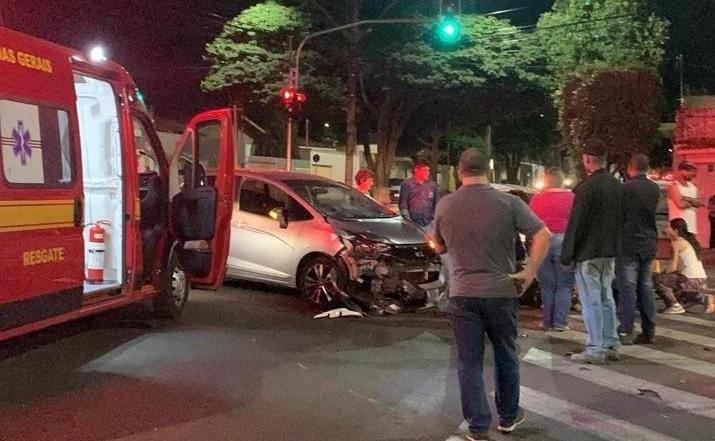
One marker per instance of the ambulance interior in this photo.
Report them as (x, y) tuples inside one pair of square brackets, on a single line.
[(102, 175)]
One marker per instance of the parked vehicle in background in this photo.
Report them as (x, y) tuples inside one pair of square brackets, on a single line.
[(327, 239), (395, 185)]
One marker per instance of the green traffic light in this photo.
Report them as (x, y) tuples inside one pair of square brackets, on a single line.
[(449, 30)]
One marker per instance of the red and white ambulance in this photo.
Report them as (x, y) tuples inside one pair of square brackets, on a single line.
[(94, 213)]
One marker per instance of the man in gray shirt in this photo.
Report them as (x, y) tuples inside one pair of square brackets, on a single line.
[(477, 225)]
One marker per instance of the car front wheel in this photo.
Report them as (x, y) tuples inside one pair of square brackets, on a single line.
[(320, 281)]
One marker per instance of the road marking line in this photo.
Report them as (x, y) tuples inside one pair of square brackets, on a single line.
[(585, 419), (675, 334), (661, 331), (691, 320), (669, 396), (699, 367)]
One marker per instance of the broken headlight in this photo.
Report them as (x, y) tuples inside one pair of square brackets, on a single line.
[(362, 246)]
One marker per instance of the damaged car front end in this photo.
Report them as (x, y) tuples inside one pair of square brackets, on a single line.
[(390, 273), (336, 245)]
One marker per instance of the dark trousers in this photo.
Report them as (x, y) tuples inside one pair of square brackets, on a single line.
[(635, 289), (472, 319)]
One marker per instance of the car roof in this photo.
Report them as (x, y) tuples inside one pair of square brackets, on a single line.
[(512, 187), (281, 175)]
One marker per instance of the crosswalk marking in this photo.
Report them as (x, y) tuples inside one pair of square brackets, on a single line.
[(665, 358), (675, 334), (684, 318), (670, 397), (695, 339), (585, 419)]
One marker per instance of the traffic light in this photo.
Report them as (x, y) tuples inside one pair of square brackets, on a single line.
[(292, 99), (449, 30)]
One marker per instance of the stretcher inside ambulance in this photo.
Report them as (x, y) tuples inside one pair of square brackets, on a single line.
[(94, 212)]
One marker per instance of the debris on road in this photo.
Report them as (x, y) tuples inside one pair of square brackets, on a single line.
[(339, 312)]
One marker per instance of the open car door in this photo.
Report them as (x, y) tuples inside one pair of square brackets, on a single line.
[(203, 203)]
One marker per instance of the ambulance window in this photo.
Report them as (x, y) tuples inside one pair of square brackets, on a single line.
[(146, 156), (36, 145), (209, 145)]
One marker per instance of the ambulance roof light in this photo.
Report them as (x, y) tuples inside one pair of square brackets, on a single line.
[(98, 54)]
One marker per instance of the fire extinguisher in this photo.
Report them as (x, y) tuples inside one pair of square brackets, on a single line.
[(96, 248)]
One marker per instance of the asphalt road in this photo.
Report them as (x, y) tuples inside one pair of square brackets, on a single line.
[(250, 363)]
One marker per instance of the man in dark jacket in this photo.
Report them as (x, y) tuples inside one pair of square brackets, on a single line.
[(638, 240), (592, 243)]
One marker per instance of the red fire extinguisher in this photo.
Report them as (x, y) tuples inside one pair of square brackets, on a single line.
[(96, 248)]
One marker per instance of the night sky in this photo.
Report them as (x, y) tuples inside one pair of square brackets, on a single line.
[(161, 42)]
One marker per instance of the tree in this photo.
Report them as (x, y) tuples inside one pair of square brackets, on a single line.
[(582, 34), (598, 51), (619, 106), (403, 71), (252, 53)]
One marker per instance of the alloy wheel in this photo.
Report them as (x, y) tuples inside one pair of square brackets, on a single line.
[(319, 282)]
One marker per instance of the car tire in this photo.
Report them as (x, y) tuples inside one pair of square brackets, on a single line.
[(319, 278), (174, 290)]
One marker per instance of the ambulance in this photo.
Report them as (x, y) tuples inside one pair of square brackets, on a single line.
[(94, 213)]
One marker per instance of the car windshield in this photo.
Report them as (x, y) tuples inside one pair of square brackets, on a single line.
[(338, 201)]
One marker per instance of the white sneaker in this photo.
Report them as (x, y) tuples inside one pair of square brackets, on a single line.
[(676, 308)]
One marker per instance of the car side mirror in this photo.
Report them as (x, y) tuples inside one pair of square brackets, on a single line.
[(281, 216)]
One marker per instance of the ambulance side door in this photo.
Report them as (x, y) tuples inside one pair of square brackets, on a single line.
[(41, 213), (201, 210)]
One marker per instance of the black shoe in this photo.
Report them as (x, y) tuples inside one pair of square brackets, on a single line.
[(643, 339), (626, 338), (508, 427)]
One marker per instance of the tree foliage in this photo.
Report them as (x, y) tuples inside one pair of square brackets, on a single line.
[(581, 34), (404, 73), (603, 56), (252, 51), (619, 106)]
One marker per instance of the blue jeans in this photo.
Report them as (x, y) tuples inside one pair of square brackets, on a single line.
[(634, 280), (555, 282), (594, 278), (472, 319)]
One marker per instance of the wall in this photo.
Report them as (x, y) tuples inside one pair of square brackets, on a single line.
[(704, 159)]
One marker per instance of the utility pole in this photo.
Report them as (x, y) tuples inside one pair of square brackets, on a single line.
[(488, 145), (307, 132), (679, 64)]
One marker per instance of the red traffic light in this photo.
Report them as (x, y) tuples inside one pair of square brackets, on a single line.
[(288, 95), (292, 99)]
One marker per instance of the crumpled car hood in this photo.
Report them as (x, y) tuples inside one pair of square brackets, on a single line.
[(396, 231)]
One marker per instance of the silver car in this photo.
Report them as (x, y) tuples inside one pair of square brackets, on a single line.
[(330, 241)]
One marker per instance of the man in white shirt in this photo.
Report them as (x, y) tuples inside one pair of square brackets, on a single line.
[(683, 198)]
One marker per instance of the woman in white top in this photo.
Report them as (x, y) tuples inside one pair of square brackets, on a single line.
[(685, 273)]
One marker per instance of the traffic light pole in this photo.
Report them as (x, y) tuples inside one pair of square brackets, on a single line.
[(289, 143), (308, 37)]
